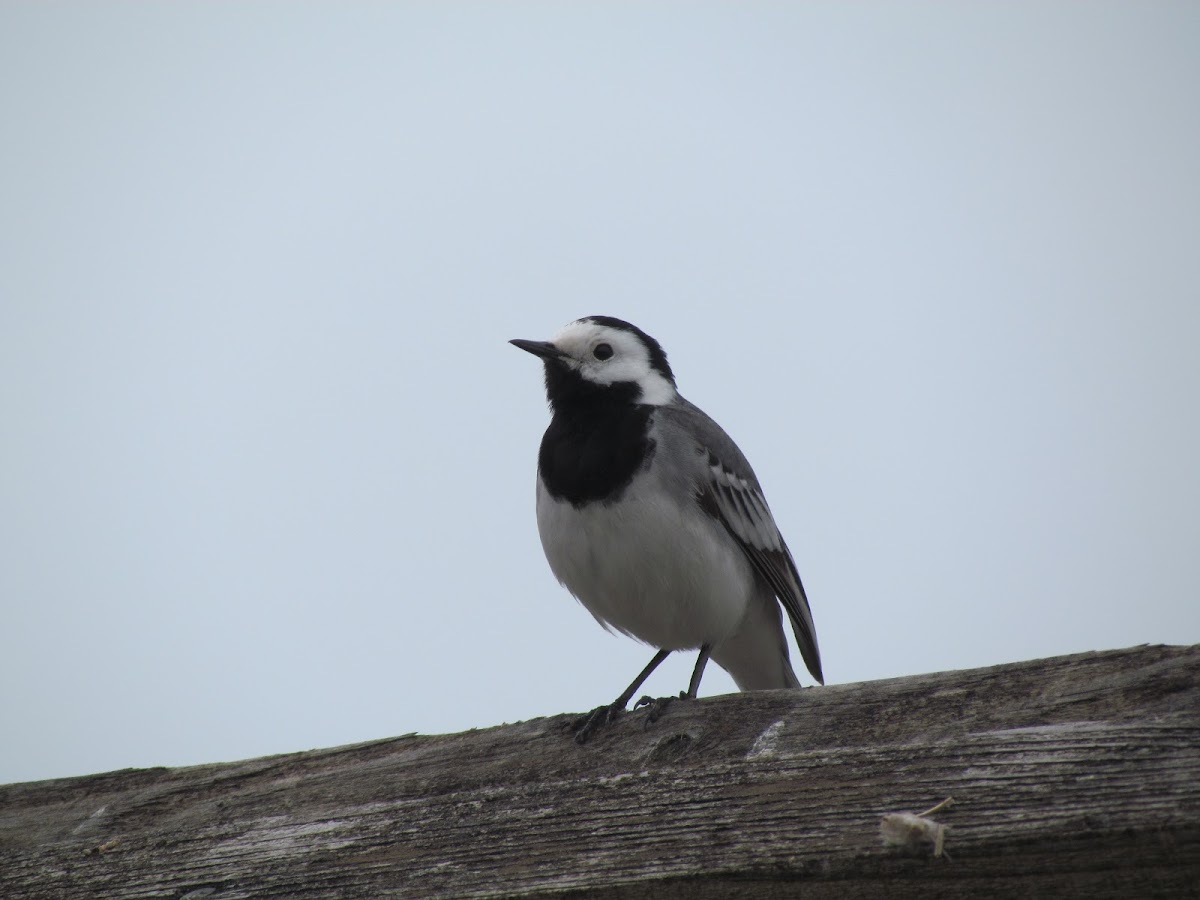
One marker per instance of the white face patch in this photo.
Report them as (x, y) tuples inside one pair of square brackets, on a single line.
[(629, 362)]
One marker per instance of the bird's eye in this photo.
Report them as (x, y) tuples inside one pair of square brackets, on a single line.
[(602, 351)]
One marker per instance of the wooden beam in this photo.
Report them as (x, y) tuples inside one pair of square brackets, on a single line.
[(1072, 776)]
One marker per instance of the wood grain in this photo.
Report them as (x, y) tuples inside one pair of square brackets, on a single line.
[(1073, 776)]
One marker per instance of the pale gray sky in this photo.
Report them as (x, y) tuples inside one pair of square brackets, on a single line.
[(267, 460)]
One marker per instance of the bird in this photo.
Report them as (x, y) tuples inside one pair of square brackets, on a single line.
[(651, 516)]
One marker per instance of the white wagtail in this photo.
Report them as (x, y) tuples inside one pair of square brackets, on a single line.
[(652, 517)]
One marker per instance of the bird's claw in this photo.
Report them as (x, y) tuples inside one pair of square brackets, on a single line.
[(656, 706), (589, 723)]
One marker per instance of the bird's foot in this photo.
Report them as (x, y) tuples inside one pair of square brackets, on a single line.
[(600, 717), (656, 706)]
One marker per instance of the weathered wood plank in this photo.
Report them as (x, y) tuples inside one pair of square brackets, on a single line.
[(1078, 775)]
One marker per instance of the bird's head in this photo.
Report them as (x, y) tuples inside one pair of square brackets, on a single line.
[(599, 356)]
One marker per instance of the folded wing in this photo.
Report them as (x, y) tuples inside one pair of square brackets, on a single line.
[(737, 502)]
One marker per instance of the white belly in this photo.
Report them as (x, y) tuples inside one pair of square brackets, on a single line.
[(641, 567)]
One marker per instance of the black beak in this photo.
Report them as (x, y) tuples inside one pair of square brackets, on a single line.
[(544, 349)]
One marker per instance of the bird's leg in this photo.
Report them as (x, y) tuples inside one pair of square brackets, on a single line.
[(697, 673), (585, 726), (658, 706)]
